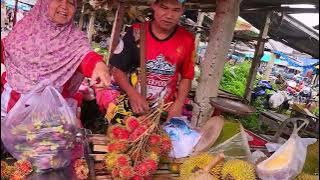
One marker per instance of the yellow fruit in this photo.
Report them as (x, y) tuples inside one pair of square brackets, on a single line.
[(174, 168), (134, 79), (199, 162), (200, 175), (110, 111), (304, 176), (282, 159), (311, 165), (110, 161), (238, 170)]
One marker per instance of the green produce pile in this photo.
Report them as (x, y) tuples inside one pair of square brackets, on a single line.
[(235, 78), (102, 51), (316, 111)]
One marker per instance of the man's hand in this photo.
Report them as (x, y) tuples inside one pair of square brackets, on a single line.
[(138, 104), (175, 110), (100, 76)]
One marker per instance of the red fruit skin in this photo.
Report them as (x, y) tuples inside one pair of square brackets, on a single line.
[(142, 170), (152, 165), (136, 177), (154, 139), (166, 146), (126, 172), (132, 123), (123, 161), (115, 172)]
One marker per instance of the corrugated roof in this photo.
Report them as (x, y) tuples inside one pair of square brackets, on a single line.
[(284, 28), (289, 31)]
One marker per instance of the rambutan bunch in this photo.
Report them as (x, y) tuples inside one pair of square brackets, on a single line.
[(136, 147), (154, 140), (165, 145), (4, 169), (117, 132), (110, 161), (146, 168), (24, 167), (122, 161), (137, 133), (20, 170), (81, 169), (126, 172), (132, 123), (117, 147)]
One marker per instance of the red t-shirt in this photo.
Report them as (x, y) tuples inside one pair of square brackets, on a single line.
[(165, 59)]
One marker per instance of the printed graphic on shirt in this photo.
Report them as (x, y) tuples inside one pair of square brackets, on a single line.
[(159, 74)]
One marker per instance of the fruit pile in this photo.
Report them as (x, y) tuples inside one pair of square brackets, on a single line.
[(81, 169), (135, 148), (20, 170), (231, 169)]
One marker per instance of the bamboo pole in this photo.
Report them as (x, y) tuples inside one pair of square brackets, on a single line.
[(15, 12), (199, 23), (116, 30), (269, 67), (81, 16), (257, 57), (91, 25)]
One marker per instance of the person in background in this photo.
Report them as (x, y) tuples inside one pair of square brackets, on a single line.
[(170, 52), (44, 45), (4, 17)]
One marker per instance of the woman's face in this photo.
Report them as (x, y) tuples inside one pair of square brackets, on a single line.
[(61, 11)]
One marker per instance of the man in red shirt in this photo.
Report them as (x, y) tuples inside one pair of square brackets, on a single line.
[(169, 59)]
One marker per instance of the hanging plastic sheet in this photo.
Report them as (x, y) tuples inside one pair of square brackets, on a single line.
[(236, 147)]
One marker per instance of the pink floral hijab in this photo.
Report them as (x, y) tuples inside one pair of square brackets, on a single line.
[(38, 49)]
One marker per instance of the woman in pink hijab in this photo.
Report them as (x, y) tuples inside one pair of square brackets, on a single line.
[(44, 45)]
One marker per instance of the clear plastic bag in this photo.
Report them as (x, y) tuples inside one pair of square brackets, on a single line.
[(41, 128), (236, 147), (288, 161)]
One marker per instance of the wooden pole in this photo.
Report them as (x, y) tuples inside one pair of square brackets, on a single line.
[(266, 75), (257, 57), (221, 35), (91, 25), (198, 35), (81, 16), (15, 12), (116, 29)]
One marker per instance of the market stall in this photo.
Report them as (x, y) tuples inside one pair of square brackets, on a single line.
[(141, 147)]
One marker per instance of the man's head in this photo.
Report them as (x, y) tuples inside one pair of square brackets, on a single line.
[(167, 13)]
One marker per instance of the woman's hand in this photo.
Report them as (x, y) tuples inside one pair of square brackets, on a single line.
[(100, 76)]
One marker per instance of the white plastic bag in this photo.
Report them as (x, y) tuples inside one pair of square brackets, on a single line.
[(288, 161), (41, 128), (182, 136)]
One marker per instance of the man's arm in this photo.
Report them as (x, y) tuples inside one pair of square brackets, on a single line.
[(122, 64), (187, 75), (122, 80), (177, 106), (183, 91), (138, 103)]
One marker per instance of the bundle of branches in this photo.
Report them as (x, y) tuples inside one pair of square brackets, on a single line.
[(134, 149)]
